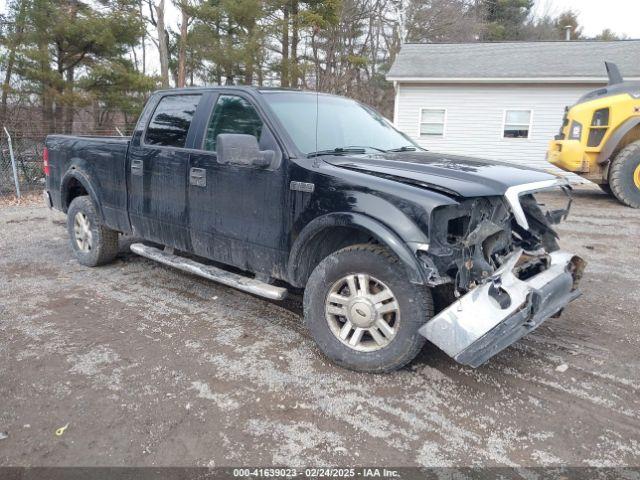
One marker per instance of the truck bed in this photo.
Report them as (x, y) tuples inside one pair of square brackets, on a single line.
[(102, 159)]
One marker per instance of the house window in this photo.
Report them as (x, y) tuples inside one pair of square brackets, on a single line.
[(517, 124), (432, 122)]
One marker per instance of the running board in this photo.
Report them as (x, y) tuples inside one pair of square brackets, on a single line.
[(230, 279)]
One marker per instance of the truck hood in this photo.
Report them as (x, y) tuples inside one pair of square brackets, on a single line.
[(457, 175)]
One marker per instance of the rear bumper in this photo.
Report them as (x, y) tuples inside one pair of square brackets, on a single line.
[(496, 314)]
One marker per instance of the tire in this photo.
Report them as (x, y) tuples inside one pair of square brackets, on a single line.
[(331, 279), (100, 243), (624, 175)]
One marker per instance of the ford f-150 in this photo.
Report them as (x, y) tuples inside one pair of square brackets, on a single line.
[(272, 191)]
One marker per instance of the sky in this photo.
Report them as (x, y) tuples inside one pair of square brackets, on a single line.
[(621, 16)]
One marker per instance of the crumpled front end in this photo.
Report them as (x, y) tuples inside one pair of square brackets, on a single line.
[(494, 315), (500, 258)]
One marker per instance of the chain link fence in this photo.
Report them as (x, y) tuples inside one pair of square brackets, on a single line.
[(27, 156), (27, 144)]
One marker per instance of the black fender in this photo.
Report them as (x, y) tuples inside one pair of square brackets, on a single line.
[(78, 173), (373, 227), (616, 137)]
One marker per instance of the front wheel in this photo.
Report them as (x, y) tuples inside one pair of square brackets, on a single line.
[(363, 312), (624, 175)]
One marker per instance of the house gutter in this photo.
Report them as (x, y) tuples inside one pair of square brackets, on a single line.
[(534, 80)]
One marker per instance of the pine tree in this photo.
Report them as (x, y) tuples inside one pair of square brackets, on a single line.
[(54, 54), (505, 19)]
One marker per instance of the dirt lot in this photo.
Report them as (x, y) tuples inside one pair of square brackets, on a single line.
[(150, 366)]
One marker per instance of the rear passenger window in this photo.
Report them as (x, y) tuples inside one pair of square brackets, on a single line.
[(232, 114), (171, 120)]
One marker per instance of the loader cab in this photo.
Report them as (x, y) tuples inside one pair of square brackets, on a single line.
[(600, 138)]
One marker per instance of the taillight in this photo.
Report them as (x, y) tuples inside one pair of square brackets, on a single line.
[(45, 161)]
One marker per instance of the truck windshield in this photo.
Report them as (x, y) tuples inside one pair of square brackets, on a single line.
[(344, 125)]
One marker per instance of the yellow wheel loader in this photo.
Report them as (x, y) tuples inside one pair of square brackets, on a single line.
[(600, 138)]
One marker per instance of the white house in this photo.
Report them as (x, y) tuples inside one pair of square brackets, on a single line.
[(499, 100)]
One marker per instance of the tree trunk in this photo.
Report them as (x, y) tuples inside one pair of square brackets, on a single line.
[(47, 112), (69, 104), (191, 74), (249, 57), (96, 117), (182, 51), (6, 85), (46, 92), (57, 98), (143, 41), (284, 66), (163, 49), (295, 38), (135, 58), (248, 74), (66, 88)]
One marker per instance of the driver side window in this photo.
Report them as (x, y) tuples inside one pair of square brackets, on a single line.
[(232, 114)]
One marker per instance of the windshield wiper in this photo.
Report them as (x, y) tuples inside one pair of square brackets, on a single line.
[(402, 149), (337, 151)]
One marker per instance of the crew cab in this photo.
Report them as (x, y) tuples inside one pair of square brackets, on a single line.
[(277, 191)]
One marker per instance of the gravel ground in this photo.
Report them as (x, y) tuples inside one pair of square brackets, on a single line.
[(150, 366)]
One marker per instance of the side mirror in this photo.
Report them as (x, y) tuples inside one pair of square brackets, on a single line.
[(241, 149)]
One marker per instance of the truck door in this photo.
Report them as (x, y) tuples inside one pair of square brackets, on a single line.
[(236, 212), (159, 164)]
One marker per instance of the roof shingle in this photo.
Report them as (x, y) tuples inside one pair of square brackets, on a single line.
[(508, 60)]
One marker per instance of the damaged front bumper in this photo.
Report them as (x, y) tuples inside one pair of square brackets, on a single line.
[(496, 314)]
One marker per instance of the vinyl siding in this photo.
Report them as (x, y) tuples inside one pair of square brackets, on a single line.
[(475, 115)]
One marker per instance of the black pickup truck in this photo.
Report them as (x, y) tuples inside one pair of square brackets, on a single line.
[(272, 191)]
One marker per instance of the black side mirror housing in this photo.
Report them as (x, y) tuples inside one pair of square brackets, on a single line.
[(241, 149)]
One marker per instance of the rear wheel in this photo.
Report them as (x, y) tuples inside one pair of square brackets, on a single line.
[(363, 312), (92, 243), (624, 175)]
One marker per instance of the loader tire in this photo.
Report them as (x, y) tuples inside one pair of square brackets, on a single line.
[(624, 175)]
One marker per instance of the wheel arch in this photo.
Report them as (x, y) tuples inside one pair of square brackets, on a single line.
[(75, 183), (620, 138), (334, 231)]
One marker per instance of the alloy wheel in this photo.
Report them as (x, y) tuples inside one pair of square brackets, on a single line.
[(82, 232), (362, 312)]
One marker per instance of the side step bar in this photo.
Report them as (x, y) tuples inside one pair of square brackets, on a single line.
[(230, 279)]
